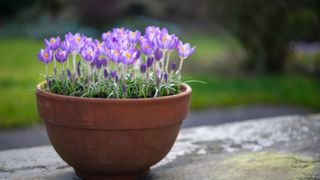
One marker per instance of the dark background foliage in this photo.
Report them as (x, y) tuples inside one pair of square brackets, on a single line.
[(265, 28), (249, 51)]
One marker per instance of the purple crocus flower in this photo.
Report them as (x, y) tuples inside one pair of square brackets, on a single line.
[(129, 56), (146, 46), (45, 55), (52, 43), (106, 36), (100, 62), (143, 68), (167, 41), (64, 46), (101, 47), (150, 61), (61, 55), (114, 55), (158, 54), (119, 32), (184, 50), (88, 40), (88, 52), (152, 32), (123, 43), (173, 42), (74, 42), (112, 43), (134, 36)]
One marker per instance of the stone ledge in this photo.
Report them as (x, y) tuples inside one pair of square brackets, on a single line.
[(284, 147)]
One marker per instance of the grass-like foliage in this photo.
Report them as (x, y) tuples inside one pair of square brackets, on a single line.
[(99, 86)]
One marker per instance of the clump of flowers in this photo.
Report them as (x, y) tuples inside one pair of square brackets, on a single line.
[(124, 64)]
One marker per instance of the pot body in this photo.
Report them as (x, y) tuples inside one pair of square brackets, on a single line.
[(112, 137)]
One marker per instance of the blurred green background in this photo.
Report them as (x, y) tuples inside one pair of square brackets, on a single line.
[(248, 52)]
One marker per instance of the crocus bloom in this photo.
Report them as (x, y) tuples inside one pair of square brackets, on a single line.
[(88, 52), (64, 45), (166, 41), (134, 36), (101, 47), (114, 55), (61, 55), (129, 56), (152, 32), (106, 36), (184, 50), (112, 43), (74, 42), (146, 46), (119, 32), (100, 62), (52, 43), (123, 43), (158, 54), (45, 55)]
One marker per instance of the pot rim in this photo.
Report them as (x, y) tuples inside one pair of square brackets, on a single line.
[(186, 90)]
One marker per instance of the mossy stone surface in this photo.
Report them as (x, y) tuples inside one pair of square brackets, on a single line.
[(265, 165)]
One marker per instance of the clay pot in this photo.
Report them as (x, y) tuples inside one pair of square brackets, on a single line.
[(112, 137)]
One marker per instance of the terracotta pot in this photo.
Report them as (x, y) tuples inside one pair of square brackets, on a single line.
[(112, 137)]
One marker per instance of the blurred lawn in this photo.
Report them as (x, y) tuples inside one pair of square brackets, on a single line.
[(245, 89), (19, 73)]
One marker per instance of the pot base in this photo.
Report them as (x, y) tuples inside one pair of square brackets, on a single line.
[(91, 176)]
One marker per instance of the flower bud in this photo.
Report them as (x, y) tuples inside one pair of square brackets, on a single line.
[(105, 73), (143, 68), (173, 66), (158, 54), (150, 61)]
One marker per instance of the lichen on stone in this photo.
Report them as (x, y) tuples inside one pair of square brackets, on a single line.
[(264, 165)]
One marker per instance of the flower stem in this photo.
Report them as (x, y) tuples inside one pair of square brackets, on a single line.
[(55, 67), (88, 74), (180, 67), (47, 82), (63, 77), (68, 63), (46, 70), (74, 58), (167, 62)]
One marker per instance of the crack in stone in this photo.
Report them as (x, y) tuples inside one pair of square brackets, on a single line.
[(25, 168), (31, 168)]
